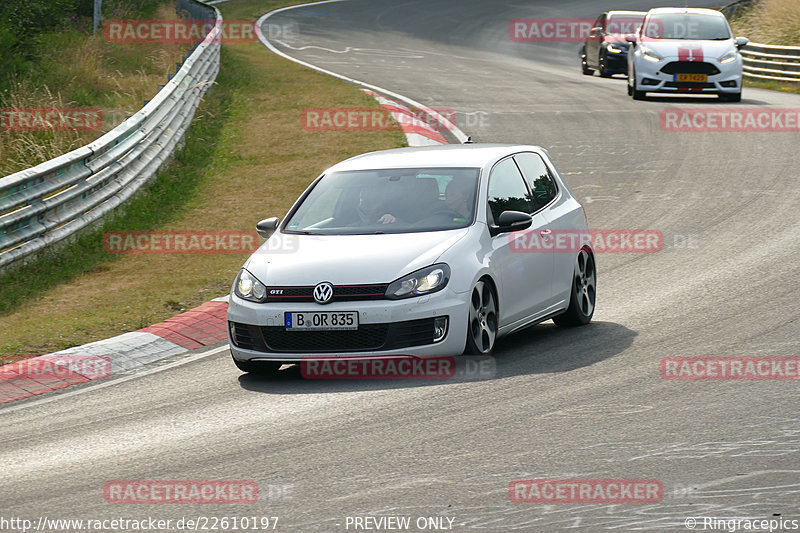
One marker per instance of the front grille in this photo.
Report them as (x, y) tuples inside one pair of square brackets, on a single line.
[(690, 67), (367, 337), (689, 85), (341, 293)]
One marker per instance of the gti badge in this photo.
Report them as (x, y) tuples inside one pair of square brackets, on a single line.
[(323, 292)]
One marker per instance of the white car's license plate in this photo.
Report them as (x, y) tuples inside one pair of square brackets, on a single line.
[(321, 320), (691, 77)]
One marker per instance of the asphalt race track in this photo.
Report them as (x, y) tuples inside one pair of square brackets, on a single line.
[(587, 403)]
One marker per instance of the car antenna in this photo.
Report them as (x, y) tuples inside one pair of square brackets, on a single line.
[(468, 141)]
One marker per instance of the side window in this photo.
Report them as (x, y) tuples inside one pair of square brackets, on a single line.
[(507, 190), (538, 178)]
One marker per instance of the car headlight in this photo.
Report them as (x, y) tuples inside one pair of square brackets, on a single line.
[(651, 55), (613, 49), (424, 281), (729, 56), (247, 287)]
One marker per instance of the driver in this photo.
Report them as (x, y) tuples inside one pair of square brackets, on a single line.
[(456, 198), (370, 208)]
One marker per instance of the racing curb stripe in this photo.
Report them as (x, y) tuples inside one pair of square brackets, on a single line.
[(197, 327), (201, 326), (418, 132), (17, 383)]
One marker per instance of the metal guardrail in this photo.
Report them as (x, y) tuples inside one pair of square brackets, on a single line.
[(52, 201), (771, 62)]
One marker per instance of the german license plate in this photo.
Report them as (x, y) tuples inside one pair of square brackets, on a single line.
[(691, 77), (321, 321)]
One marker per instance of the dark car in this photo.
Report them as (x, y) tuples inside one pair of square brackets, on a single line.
[(605, 49)]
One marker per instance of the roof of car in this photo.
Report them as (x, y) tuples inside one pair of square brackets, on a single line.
[(625, 12), (688, 10), (449, 155)]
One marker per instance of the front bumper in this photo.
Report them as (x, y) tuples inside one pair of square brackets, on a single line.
[(649, 77), (386, 327)]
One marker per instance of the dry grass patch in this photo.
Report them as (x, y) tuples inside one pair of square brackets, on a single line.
[(770, 22)]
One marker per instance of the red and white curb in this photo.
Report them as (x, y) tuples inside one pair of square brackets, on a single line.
[(198, 327), (418, 132)]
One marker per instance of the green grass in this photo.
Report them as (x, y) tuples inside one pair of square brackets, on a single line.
[(65, 68)]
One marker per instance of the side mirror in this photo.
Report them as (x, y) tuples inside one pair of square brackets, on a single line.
[(597, 30), (267, 227), (511, 221), (631, 38), (741, 42)]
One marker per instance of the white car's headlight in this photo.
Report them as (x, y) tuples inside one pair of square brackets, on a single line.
[(247, 287), (613, 49), (424, 281), (651, 55), (728, 56)]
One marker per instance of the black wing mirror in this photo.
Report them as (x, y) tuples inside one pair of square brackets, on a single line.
[(511, 221), (267, 227)]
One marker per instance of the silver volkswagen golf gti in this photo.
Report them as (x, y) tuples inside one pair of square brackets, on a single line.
[(417, 252)]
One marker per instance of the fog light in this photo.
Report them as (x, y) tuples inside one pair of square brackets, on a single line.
[(439, 328), (233, 333), (729, 83), (650, 81)]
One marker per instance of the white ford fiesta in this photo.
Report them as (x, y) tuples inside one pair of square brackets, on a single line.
[(413, 251), (685, 50)]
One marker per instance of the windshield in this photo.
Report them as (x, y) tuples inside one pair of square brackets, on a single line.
[(624, 23), (696, 26), (404, 200)]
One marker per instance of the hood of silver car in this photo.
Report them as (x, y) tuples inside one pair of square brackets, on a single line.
[(303, 260)]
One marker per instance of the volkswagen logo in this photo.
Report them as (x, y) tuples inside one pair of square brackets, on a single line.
[(323, 292)]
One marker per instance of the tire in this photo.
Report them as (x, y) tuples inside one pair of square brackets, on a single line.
[(637, 95), (482, 322), (731, 97), (583, 293), (264, 368), (584, 65)]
